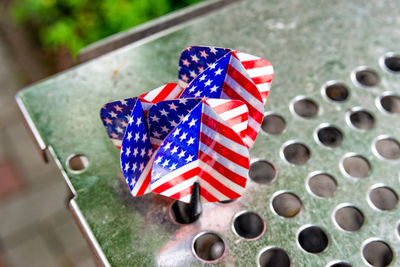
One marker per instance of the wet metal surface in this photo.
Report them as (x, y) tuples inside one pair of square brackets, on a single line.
[(309, 44)]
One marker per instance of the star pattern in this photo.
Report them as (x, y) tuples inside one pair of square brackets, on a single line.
[(180, 147), (209, 83), (135, 152), (196, 59), (116, 117), (161, 125)]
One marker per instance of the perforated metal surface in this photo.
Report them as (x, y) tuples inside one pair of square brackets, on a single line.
[(309, 45)]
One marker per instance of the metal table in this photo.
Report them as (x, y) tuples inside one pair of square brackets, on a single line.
[(309, 43)]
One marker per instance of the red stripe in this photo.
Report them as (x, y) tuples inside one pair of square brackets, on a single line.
[(263, 79), (229, 105), (253, 112), (238, 119), (164, 93), (243, 133), (257, 63), (265, 94), (183, 193), (218, 185), (145, 184), (251, 133), (176, 180), (208, 196), (224, 151), (221, 169), (220, 128), (245, 83)]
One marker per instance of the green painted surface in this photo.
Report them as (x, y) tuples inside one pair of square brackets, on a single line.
[(308, 43)]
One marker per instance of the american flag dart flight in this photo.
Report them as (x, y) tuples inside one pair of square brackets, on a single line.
[(190, 141)]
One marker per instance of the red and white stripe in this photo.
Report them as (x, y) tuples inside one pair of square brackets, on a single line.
[(142, 186), (238, 85), (221, 168), (260, 71), (168, 91), (233, 112)]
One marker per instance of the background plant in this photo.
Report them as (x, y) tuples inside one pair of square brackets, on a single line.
[(73, 24)]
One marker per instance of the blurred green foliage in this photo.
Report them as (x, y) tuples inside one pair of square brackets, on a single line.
[(73, 24)]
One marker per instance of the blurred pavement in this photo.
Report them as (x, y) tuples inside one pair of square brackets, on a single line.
[(36, 226)]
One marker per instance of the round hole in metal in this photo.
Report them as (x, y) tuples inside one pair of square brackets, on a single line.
[(248, 225), (377, 253), (305, 108), (274, 257), (262, 171), (336, 91), (392, 62), (322, 185), (273, 124), (180, 213), (361, 119), (390, 103), (340, 264), (388, 148), (349, 218), (296, 153), (287, 204), (366, 77), (330, 136), (313, 239), (383, 198), (77, 162), (356, 166), (208, 247)]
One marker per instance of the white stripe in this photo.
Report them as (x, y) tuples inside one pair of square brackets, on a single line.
[(182, 83), (174, 174), (153, 93), (239, 170), (213, 191), (181, 186), (225, 181), (267, 70), (238, 128), (219, 138), (232, 113), (142, 177), (214, 102), (249, 141), (244, 93), (186, 199), (254, 124), (263, 87), (246, 57), (174, 93)]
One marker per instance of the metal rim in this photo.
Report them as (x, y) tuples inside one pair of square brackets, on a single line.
[(356, 82), (348, 120), (369, 240), (321, 126), (379, 105), (206, 261), (243, 212), (340, 206), (382, 62), (305, 227), (375, 151), (325, 96)]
